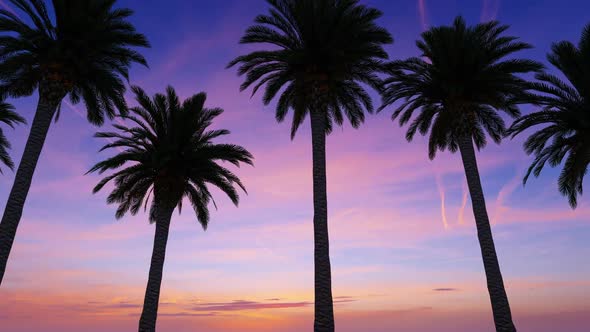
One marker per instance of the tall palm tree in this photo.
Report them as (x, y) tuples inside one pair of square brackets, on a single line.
[(322, 51), (458, 87), (167, 150), (565, 114), (85, 54), (11, 118)]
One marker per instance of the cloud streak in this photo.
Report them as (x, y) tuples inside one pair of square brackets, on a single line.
[(506, 190), (443, 210), (465, 192), (445, 289), (243, 305), (422, 14)]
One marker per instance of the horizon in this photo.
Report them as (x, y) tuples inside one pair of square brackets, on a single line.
[(404, 250)]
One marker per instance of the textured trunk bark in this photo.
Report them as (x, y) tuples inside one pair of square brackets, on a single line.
[(147, 322), (498, 298), (46, 109), (324, 311)]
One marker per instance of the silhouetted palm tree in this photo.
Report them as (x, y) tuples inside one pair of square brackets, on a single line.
[(458, 88), (168, 150), (566, 114), (84, 54), (322, 51), (9, 117)]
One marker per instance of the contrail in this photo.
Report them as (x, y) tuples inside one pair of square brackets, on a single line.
[(422, 12), (441, 191), (506, 191), (463, 204), (74, 108), (81, 114)]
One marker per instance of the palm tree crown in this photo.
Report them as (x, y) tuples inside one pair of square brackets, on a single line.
[(566, 114), (459, 85), (169, 150), (11, 118), (85, 53), (321, 53)]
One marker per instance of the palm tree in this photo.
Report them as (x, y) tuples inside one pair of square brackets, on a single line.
[(85, 54), (322, 51), (9, 117), (566, 115), (168, 150), (458, 87)]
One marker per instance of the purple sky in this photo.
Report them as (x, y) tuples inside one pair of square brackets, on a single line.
[(405, 255)]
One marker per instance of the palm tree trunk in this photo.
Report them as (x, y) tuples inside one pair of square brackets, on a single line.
[(324, 311), (46, 108), (147, 322), (499, 300)]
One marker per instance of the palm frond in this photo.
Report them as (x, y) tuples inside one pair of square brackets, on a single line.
[(565, 117), (87, 49), (458, 87), (9, 117), (323, 55)]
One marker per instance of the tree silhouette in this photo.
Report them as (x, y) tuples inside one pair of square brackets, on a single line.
[(323, 51), (168, 150), (566, 115), (458, 89), (11, 118), (85, 53)]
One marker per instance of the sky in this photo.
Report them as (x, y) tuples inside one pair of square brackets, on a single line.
[(404, 249)]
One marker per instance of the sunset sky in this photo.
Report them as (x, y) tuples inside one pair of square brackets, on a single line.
[(404, 249)]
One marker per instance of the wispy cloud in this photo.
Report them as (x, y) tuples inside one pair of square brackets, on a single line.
[(122, 305), (503, 194), (445, 289), (241, 305), (422, 13), (344, 299), (188, 314), (441, 191), (465, 192)]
